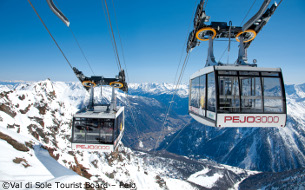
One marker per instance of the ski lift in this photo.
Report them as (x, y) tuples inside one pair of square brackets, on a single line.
[(99, 127), (235, 95)]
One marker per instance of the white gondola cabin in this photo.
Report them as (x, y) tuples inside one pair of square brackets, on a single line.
[(98, 130), (99, 127), (238, 96)]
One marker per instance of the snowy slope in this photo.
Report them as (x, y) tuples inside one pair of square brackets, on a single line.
[(35, 126), (293, 179)]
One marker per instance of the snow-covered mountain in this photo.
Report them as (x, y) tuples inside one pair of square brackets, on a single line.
[(35, 132), (144, 125), (159, 89), (262, 149)]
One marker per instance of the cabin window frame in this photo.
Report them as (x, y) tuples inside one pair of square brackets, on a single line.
[(205, 87), (214, 92), (261, 75), (85, 140)]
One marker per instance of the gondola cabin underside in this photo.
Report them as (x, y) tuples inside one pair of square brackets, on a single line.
[(238, 96)]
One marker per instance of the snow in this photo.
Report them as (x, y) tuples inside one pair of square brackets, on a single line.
[(141, 144), (201, 178), (160, 88), (178, 184), (39, 165), (5, 88), (12, 171), (50, 163), (19, 138), (42, 167), (251, 156), (67, 182)]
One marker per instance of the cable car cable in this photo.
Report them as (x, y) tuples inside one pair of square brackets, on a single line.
[(229, 45), (247, 13), (178, 134), (182, 50), (109, 30), (178, 81), (50, 34), (171, 102), (79, 46), (173, 97), (110, 24), (223, 53), (114, 45), (133, 118), (228, 48), (121, 44), (279, 3), (82, 51), (217, 40), (206, 4), (120, 39), (123, 55)]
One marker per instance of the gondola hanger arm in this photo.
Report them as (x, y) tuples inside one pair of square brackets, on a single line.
[(93, 81), (58, 13)]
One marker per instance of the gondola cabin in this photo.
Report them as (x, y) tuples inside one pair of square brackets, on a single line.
[(98, 130), (238, 96)]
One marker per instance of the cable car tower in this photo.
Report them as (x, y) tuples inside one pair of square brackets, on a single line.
[(240, 94)]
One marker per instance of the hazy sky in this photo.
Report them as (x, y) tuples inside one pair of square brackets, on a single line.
[(153, 34)]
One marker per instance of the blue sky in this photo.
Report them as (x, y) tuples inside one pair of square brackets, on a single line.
[(153, 35)]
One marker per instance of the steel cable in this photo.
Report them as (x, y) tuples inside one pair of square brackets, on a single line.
[(50, 34), (79, 46), (177, 135), (177, 84), (113, 37)]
